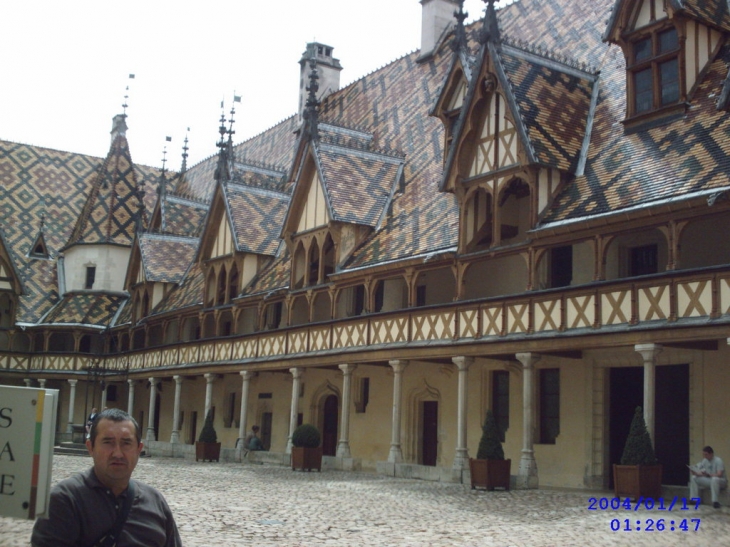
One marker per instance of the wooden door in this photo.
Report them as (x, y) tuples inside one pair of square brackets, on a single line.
[(429, 433), (329, 426)]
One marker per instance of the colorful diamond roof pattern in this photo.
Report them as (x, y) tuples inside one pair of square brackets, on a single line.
[(257, 216), (166, 258), (87, 308)]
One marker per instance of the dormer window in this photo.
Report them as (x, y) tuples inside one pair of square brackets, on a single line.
[(654, 71)]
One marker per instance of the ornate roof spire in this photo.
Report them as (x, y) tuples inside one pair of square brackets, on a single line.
[(311, 112), (490, 30), (221, 171), (184, 166), (162, 189), (460, 41)]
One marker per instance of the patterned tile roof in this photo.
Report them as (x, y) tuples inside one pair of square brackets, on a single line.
[(358, 183), (257, 216), (85, 308), (554, 101), (714, 12), (275, 276), (182, 216), (674, 160), (166, 258), (110, 212)]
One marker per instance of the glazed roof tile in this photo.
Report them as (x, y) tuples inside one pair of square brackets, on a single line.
[(189, 293), (166, 258), (85, 308), (257, 215), (183, 217), (358, 183)]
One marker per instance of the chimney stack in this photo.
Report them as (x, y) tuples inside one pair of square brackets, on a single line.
[(119, 126), (437, 16), (328, 69)]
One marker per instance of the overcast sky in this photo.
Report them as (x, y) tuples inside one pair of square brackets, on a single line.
[(66, 63)]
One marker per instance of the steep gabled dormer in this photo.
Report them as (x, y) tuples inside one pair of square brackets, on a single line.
[(237, 240), (157, 265), (521, 132), (668, 45), (343, 187)]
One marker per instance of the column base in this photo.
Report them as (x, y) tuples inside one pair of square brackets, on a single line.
[(343, 450), (175, 437), (461, 459), (395, 455), (150, 434), (527, 477)]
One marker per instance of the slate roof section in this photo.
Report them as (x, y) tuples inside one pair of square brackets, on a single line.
[(257, 215), (183, 217), (274, 277), (188, 294), (85, 308), (712, 12), (358, 183), (166, 258)]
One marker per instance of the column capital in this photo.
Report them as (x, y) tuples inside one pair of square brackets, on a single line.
[(528, 359), (178, 379), (151, 380), (72, 383), (246, 374), (648, 351), (398, 364), (296, 372), (463, 362), (347, 369), (131, 382), (210, 378)]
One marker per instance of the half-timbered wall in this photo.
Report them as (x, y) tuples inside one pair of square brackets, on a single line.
[(314, 212), (496, 146)]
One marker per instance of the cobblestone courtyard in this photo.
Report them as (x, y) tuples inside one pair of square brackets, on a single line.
[(232, 504)]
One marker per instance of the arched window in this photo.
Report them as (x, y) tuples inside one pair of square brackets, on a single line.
[(328, 253), (6, 311), (222, 286), (313, 261), (233, 283)]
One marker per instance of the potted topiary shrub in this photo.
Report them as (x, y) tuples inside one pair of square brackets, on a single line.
[(639, 474), (306, 452), (207, 447), (489, 469)]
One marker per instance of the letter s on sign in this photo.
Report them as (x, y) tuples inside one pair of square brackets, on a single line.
[(5, 419)]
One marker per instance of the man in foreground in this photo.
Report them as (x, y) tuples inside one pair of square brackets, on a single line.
[(709, 473), (88, 509)]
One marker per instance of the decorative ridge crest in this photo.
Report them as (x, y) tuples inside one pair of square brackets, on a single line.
[(538, 50)]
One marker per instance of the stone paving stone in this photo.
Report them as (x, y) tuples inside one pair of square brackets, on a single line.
[(223, 505)]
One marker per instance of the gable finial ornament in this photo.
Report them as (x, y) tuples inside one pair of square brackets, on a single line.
[(221, 171), (460, 41), (311, 112), (490, 29)]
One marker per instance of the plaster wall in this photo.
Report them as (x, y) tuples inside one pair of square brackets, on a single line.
[(111, 266)]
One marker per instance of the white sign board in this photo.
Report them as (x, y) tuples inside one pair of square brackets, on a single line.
[(27, 425)]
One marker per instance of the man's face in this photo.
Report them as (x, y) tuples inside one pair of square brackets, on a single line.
[(708, 456), (115, 453)]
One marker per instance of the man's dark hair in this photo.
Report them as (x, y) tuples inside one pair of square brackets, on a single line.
[(708, 449), (115, 415)]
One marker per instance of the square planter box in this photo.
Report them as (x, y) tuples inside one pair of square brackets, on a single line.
[(635, 481), (306, 458), (207, 451), (490, 474)]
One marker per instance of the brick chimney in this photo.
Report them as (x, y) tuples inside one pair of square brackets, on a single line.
[(328, 70), (436, 17)]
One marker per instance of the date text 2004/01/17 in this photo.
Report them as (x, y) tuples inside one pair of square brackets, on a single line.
[(655, 525)]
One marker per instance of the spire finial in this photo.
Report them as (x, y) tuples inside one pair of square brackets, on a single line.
[(221, 171), (184, 166), (490, 30), (126, 97), (311, 113), (460, 41)]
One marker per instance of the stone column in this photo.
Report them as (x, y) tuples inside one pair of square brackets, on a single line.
[(209, 379), (396, 454), (130, 398), (295, 387), (527, 477), (175, 437), (151, 416), (245, 385), (103, 397), (71, 405), (461, 458), (343, 445), (649, 353)]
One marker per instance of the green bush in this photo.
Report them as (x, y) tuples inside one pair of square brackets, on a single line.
[(490, 447), (306, 435), (638, 449), (208, 434)]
